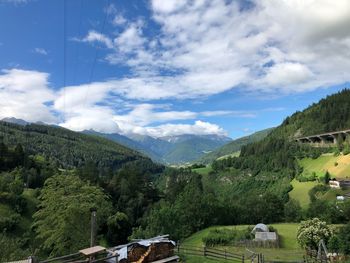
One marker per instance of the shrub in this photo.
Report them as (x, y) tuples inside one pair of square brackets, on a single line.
[(310, 233), (9, 223), (226, 237)]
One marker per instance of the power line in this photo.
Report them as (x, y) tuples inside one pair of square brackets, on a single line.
[(96, 55), (91, 75)]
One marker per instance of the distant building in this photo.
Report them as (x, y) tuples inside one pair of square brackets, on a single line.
[(340, 198), (334, 184), (339, 183), (262, 233)]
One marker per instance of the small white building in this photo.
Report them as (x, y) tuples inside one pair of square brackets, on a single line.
[(334, 184), (262, 233), (265, 236), (340, 198)]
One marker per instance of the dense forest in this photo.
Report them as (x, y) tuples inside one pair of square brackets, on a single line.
[(67, 148)]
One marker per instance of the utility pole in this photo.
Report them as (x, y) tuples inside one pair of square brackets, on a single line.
[(93, 227)]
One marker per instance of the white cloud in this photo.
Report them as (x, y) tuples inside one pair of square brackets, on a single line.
[(16, 2), (23, 95), (119, 20), (94, 36), (203, 47), (97, 118), (284, 75), (40, 51), (199, 128), (209, 47)]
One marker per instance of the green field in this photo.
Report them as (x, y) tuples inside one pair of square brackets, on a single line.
[(235, 154), (203, 171), (300, 192), (289, 251), (337, 166)]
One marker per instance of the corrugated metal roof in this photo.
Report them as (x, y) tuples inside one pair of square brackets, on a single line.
[(21, 261)]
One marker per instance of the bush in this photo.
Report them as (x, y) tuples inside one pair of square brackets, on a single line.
[(225, 237), (9, 223), (310, 233)]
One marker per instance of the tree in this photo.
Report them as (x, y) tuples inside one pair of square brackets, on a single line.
[(310, 233), (63, 220), (292, 211), (326, 177), (344, 237), (119, 228), (11, 249)]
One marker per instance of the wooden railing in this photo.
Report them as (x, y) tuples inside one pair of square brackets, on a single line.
[(209, 252)]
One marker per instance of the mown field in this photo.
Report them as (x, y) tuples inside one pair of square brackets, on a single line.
[(337, 166), (300, 192), (289, 250), (203, 171)]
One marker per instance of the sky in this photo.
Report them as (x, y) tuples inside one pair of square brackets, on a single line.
[(170, 67)]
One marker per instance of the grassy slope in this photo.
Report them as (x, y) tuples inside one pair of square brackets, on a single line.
[(203, 171), (300, 192), (289, 250), (235, 154), (234, 146), (327, 162)]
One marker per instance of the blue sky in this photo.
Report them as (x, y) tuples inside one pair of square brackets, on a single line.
[(170, 67)]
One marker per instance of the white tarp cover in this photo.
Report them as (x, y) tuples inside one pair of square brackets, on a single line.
[(260, 228)]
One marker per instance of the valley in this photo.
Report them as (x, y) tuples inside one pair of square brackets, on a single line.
[(272, 179)]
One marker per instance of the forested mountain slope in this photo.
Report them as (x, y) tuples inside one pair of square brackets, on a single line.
[(68, 148), (234, 146), (329, 114), (279, 151)]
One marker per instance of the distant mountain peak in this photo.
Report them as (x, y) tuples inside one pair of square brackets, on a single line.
[(15, 121)]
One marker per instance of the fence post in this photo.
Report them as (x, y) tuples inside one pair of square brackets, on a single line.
[(225, 254), (242, 258), (178, 247), (205, 251)]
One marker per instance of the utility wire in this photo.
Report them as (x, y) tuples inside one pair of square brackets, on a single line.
[(96, 55), (91, 75)]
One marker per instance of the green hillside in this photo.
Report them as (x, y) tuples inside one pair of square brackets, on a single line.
[(234, 146), (300, 192), (51, 177), (68, 148), (337, 166)]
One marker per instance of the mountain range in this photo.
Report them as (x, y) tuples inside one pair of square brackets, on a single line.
[(173, 150)]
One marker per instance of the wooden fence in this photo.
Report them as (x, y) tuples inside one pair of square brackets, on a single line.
[(258, 243), (211, 253)]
